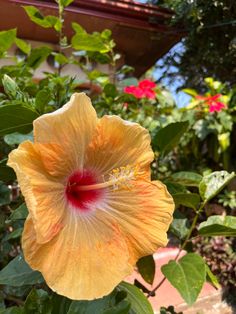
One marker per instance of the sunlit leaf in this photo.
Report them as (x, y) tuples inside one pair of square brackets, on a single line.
[(186, 178), (65, 3), (10, 86), (190, 91), (187, 275), (89, 42), (7, 39), (211, 278), (213, 183), (23, 45), (218, 226), (44, 21)]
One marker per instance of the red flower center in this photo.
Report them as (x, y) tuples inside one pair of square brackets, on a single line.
[(80, 199)]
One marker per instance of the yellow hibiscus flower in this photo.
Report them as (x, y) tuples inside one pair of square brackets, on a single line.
[(93, 211)]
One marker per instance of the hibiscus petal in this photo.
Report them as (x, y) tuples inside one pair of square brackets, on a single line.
[(71, 126), (144, 214), (118, 143), (86, 260), (44, 194)]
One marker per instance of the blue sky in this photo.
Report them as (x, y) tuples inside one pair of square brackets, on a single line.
[(180, 97)]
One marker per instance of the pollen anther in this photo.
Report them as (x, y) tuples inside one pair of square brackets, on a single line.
[(119, 178), (122, 177)]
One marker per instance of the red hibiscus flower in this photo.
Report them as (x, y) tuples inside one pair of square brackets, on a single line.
[(143, 90), (212, 102)]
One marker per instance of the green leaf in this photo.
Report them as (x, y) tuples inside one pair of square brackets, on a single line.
[(130, 81), (38, 302), (2, 304), (60, 58), (186, 178), (211, 278), (180, 225), (218, 226), (78, 28), (13, 235), (90, 307), (37, 56), (121, 308), (12, 310), (202, 129), (175, 188), (19, 213), (115, 302), (110, 90), (16, 118), (36, 16), (89, 42), (139, 303), (7, 39), (187, 276), (106, 33), (213, 183), (23, 45), (42, 99), (17, 273), (44, 21), (190, 92), (10, 86), (168, 137), (165, 99), (4, 194), (6, 173), (190, 200), (60, 304), (95, 74), (17, 138), (146, 267), (65, 3)]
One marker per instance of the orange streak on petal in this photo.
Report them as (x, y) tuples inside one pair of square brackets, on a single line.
[(118, 143), (44, 195), (144, 214), (71, 126), (86, 260)]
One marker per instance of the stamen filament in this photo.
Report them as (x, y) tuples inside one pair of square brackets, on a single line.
[(96, 186), (119, 178)]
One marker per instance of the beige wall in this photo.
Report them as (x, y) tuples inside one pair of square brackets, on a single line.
[(69, 69)]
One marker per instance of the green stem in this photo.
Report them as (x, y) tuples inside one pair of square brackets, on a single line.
[(60, 16)]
